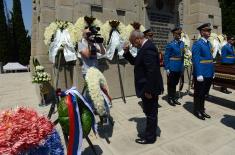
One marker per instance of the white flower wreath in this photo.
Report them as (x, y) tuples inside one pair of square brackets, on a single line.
[(128, 29), (106, 29), (95, 80), (50, 31), (80, 24)]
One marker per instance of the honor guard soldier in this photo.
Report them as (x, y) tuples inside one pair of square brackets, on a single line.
[(228, 57), (174, 63), (203, 70), (148, 34)]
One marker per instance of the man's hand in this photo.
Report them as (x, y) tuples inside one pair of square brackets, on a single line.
[(168, 72), (126, 47), (148, 95), (200, 78)]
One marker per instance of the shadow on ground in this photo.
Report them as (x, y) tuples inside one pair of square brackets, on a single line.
[(229, 121), (106, 130), (188, 106), (141, 124), (221, 101), (89, 151)]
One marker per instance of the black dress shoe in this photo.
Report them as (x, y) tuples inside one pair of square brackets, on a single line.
[(205, 114), (199, 115), (144, 141), (171, 102), (225, 90), (176, 102)]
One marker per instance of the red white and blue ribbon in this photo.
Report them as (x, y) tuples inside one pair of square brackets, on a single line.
[(75, 126)]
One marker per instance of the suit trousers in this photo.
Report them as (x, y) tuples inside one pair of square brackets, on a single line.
[(200, 90), (150, 108), (172, 81)]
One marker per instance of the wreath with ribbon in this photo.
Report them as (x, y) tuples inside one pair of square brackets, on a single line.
[(61, 35), (98, 91)]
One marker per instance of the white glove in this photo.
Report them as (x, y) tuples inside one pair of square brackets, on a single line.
[(167, 71), (213, 76), (200, 78)]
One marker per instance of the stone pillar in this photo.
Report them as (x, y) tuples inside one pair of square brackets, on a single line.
[(202, 11)]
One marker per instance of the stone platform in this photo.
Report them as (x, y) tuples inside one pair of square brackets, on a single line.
[(180, 133)]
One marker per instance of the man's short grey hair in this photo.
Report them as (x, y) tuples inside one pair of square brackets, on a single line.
[(136, 34)]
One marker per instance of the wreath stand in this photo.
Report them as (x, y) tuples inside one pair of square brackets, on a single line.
[(85, 88), (56, 102), (120, 77)]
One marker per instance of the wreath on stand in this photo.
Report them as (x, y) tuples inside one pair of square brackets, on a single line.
[(113, 31)]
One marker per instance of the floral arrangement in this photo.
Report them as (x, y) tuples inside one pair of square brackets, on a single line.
[(40, 75), (187, 52), (130, 27), (82, 22), (23, 131), (108, 26), (50, 31), (96, 81)]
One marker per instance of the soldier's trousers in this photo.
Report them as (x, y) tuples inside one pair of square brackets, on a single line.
[(172, 81), (200, 90)]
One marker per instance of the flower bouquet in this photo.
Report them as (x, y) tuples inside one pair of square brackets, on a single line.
[(24, 132)]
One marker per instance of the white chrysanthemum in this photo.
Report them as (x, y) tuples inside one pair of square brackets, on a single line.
[(49, 32), (79, 26), (97, 23), (39, 68), (95, 80), (121, 28), (185, 39), (72, 33), (105, 30), (129, 28)]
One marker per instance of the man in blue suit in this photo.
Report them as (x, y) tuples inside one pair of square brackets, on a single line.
[(148, 81), (227, 53), (203, 70), (174, 64), (228, 57)]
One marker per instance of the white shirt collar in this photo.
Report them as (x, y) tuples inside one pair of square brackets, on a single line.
[(144, 42), (204, 39)]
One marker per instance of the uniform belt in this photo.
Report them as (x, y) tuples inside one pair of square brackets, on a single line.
[(230, 57), (206, 61), (176, 58)]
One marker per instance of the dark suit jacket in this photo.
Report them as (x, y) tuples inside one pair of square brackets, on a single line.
[(148, 77)]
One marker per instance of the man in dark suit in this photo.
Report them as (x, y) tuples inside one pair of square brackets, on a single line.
[(148, 81)]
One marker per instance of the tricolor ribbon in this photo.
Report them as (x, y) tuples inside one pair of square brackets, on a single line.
[(75, 126)]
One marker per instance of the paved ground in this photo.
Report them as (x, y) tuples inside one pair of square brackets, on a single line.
[(180, 133)]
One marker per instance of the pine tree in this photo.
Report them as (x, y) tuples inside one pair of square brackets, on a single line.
[(3, 34), (228, 16), (20, 34)]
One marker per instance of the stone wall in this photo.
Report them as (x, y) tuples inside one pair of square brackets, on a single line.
[(195, 12)]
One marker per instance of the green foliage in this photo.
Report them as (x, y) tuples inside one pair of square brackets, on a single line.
[(22, 40), (228, 16), (3, 34)]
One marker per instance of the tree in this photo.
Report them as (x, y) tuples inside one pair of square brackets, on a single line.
[(3, 34), (228, 16), (20, 35)]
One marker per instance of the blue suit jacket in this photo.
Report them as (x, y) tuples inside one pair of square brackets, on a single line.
[(202, 59), (174, 56), (148, 77), (227, 54)]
